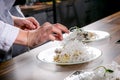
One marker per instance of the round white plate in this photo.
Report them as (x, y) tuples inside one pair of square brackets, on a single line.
[(100, 35), (47, 56)]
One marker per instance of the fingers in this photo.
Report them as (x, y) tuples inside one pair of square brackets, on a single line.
[(34, 21), (61, 27), (28, 24), (54, 37), (47, 32), (51, 37), (56, 32)]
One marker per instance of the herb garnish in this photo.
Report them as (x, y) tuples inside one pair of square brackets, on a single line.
[(106, 70)]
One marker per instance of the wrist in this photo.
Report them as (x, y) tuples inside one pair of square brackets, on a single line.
[(22, 38)]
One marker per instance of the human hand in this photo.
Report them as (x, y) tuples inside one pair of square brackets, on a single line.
[(46, 32), (40, 35), (58, 29), (28, 23)]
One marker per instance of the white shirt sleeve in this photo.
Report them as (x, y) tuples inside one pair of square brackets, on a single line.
[(8, 35), (16, 11)]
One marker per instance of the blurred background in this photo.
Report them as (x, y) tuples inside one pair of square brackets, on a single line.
[(70, 12)]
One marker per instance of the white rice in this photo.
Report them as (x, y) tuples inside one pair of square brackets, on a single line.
[(75, 48)]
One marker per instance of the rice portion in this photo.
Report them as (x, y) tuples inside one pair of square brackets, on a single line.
[(73, 49)]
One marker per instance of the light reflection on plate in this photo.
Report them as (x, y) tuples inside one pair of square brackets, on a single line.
[(47, 56), (75, 75), (100, 35), (98, 73)]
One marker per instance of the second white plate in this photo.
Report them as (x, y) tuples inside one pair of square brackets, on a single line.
[(100, 35)]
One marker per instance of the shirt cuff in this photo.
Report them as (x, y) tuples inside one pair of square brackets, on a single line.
[(8, 36)]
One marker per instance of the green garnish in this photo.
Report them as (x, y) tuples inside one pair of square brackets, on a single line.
[(109, 70), (75, 27), (106, 70)]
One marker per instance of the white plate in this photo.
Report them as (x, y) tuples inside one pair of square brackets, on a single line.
[(100, 35), (47, 56), (98, 73), (75, 75)]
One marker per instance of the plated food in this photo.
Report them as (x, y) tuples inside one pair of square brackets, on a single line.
[(104, 72), (81, 34), (48, 55), (73, 50), (86, 35)]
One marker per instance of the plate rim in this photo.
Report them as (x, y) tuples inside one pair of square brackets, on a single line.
[(57, 63)]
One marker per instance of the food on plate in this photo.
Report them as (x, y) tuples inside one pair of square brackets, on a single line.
[(73, 49), (81, 34), (107, 72)]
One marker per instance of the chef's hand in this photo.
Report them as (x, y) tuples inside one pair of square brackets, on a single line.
[(46, 32), (28, 23), (42, 34)]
